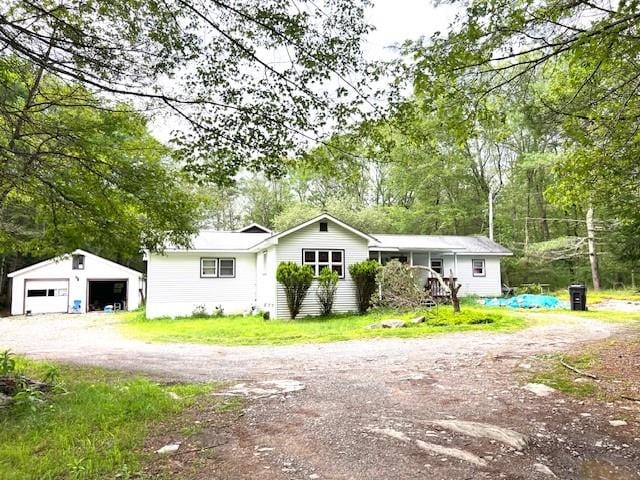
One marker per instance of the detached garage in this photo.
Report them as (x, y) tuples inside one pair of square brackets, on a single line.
[(76, 283)]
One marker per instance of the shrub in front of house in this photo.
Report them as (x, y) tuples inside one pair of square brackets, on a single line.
[(364, 276), (400, 288), (326, 292), (296, 280)]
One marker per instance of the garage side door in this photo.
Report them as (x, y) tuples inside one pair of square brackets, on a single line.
[(46, 296)]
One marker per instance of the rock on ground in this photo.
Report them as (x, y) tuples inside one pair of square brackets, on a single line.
[(540, 389), (479, 430)]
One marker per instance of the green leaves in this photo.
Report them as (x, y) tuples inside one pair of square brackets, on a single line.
[(246, 83), (78, 171), (364, 276), (296, 280)]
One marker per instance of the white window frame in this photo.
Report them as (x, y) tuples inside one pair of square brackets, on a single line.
[(233, 267), (441, 260), (317, 265), (208, 275), (483, 263), (265, 260)]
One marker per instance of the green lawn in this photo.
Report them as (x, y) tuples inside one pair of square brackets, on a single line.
[(239, 330), (595, 297), (92, 429)]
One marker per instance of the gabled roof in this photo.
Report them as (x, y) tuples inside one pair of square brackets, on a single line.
[(323, 216), (63, 257), (254, 228), (472, 244)]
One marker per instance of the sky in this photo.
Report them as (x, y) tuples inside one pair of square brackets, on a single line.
[(399, 20), (394, 20)]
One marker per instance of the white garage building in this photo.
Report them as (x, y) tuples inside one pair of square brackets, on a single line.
[(75, 283)]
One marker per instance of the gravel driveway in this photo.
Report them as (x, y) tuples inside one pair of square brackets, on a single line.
[(368, 407)]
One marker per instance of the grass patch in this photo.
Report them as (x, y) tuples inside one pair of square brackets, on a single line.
[(563, 379), (598, 296), (93, 428), (239, 330)]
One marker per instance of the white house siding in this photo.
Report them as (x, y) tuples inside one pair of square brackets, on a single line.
[(487, 286), (266, 280), (95, 268), (290, 247), (175, 288)]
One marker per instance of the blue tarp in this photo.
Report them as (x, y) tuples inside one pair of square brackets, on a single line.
[(526, 301)]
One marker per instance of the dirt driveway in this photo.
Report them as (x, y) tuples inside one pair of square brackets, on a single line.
[(379, 409)]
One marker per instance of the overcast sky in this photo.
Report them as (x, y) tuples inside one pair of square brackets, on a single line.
[(395, 21), (399, 20)]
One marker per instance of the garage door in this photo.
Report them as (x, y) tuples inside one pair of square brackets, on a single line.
[(46, 296)]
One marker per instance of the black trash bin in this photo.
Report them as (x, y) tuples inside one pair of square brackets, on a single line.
[(578, 297)]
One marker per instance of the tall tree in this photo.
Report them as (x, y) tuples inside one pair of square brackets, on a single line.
[(249, 81)]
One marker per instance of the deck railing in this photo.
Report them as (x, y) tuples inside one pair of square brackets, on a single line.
[(436, 289)]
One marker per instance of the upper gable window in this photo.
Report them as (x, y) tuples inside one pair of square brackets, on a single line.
[(324, 227), (77, 261)]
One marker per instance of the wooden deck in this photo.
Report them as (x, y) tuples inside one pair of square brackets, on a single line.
[(438, 293)]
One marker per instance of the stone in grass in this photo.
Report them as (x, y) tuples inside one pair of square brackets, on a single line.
[(617, 423), (540, 389), (417, 320), (393, 323), (372, 326), (168, 449)]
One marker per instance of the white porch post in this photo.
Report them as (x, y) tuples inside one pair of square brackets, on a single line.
[(455, 264), (429, 262), (379, 257), (411, 258)]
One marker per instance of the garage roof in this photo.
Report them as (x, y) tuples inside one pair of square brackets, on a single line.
[(63, 257)]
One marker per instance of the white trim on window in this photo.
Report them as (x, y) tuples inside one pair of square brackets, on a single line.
[(478, 267), (437, 265), (208, 267), (320, 258), (223, 265)]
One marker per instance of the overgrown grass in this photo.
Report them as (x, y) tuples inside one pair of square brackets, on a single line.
[(93, 429), (563, 379), (239, 330)]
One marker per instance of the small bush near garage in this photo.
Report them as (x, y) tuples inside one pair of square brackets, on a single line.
[(93, 427)]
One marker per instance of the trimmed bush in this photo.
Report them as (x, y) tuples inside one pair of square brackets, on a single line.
[(326, 292), (296, 280), (364, 276)]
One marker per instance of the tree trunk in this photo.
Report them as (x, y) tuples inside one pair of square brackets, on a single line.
[(453, 288), (593, 257)]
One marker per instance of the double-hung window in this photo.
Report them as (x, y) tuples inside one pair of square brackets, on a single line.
[(436, 265), (319, 259), (208, 267), (212, 267), (478, 268), (227, 267)]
